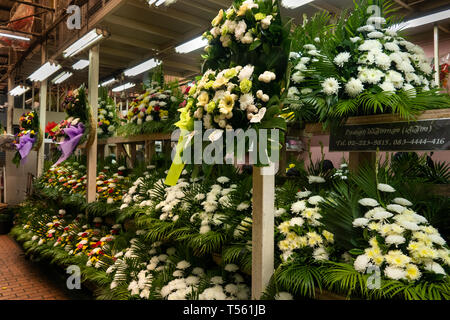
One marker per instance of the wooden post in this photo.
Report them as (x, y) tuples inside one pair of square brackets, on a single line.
[(10, 114), (436, 55), (132, 148), (149, 151), (93, 102), (42, 114), (262, 229), (356, 159)]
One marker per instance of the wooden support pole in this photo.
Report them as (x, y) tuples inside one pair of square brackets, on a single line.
[(357, 159), (262, 229), (436, 55), (149, 151), (42, 114), (93, 102), (10, 114), (132, 149)]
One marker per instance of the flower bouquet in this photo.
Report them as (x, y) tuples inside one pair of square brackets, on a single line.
[(155, 109), (359, 66), (69, 133), (108, 121), (28, 137), (245, 68)]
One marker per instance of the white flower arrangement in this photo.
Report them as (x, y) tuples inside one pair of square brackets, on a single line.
[(304, 230), (409, 245)]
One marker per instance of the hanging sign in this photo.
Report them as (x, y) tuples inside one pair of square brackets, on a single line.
[(423, 135)]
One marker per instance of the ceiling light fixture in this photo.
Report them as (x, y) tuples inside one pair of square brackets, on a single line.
[(292, 4), (62, 77), (191, 45), (4, 33), (123, 87), (18, 91), (145, 66), (45, 71), (431, 18), (84, 42), (107, 82), (80, 65)]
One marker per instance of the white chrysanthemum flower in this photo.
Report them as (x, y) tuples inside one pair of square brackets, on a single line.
[(436, 238), (361, 263), (385, 187), (402, 202), (370, 45), (387, 86), (314, 200), (382, 215), (293, 92), (434, 267), (298, 206), (342, 58), (315, 179), (395, 239), (183, 265), (320, 254), (242, 206), (354, 87), (294, 55), (368, 202), (297, 221), (395, 273), (298, 77), (303, 194), (396, 208), (246, 100), (267, 77), (217, 280), (375, 35), (223, 180), (330, 86), (283, 296), (360, 222), (355, 39), (279, 212)]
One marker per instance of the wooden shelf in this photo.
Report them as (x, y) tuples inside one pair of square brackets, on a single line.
[(135, 139), (317, 128)]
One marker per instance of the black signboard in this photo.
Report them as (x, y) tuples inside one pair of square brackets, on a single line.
[(424, 135)]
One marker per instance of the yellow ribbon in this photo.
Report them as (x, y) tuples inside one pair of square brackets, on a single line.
[(177, 165)]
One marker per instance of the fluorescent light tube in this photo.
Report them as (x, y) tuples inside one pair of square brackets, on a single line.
[(80, 65), (18, 91), (147, 65), (62, 77), (44, 71), (107, 82), (431, 18), (84, 42), (292, 4), (123, 87), (192, 45), (160, 2), (13, 36)]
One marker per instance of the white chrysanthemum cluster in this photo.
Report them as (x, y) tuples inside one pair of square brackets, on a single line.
[(342, 172), (303, 229), (409, 243), (213, 203), (141, 282), (230, 288), (133, 197), (384, 59)]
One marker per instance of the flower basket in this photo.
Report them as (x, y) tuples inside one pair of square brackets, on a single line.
[(29, 138), (76, 129)]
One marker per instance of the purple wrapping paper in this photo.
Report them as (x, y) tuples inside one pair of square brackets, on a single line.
[(67, 147), (24, 146)]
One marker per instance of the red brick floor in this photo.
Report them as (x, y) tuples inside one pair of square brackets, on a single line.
[(20, 279)]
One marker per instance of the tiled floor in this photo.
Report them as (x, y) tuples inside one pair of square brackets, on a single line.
[(21, 279)]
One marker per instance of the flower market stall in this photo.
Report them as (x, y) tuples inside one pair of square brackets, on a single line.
[(172, 224)]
